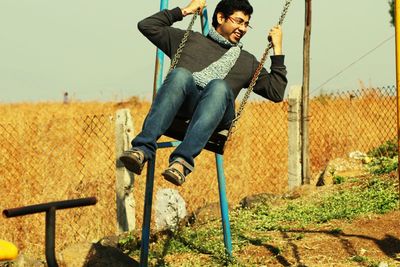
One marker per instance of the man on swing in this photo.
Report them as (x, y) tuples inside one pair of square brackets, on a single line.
[(209, 75)]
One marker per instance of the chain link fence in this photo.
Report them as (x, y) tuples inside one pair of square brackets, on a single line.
[(356, 120), (57, 159), (49, 153)]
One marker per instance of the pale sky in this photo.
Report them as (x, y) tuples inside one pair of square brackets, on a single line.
[(93, 50)]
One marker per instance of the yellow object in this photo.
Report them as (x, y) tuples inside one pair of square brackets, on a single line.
[(8, 251)]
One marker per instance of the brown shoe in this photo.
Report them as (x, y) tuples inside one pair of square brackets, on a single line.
[(174, 176), (177, 171), (133, 160)]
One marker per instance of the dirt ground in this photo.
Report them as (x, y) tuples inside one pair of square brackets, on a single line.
[(362, 242)]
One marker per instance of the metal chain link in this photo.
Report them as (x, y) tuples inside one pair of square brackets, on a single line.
[(256, 73), (178, 53)]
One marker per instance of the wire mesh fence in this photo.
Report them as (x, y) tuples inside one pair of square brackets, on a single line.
[(53, 152), (357, 120), (60, 159)]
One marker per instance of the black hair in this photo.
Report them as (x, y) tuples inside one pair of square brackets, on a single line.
[(228, 7)]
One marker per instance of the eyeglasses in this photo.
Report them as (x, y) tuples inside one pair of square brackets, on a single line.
[(240, 22)]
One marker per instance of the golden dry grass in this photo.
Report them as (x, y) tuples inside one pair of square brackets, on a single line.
[(52, 151)]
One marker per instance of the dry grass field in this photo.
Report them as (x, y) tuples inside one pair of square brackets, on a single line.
[(55, 151)]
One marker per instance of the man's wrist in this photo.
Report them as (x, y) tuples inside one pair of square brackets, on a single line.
[(184, 12), (277, 50)]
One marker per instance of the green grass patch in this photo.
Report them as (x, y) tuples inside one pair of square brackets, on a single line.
[(252, 226), (373, 196)]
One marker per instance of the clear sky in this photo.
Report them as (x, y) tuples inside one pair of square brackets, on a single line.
[(93, 50)]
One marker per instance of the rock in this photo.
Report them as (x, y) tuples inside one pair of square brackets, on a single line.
[(24, 261), (95, 254), (259, 199), (74, 255), (110, 241), (100, 256), (316, 178), (170, 209), (341, 167), (207, 213), (357, 155), (300, 191)]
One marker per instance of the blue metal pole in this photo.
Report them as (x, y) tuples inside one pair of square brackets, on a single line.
[(158, 77), (148, 199), (204, 22), (224, 204), (159, 66), (220, 171), (168, 144)]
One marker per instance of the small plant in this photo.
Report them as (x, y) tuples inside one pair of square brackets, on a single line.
[(387, 149), (383, 165), (128, 243), (358, 259), (384, 158), (298, 236), (337, 179)]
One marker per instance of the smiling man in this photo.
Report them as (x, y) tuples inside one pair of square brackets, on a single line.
[(202, 88)]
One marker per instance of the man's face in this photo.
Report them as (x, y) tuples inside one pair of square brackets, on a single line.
[(234, 27)]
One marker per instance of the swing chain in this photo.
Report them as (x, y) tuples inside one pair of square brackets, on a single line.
[(256, 74), (284, 11), (182, 44)]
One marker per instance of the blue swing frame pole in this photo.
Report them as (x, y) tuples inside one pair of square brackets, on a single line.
[(224, 204), (223, 200), (148, 202), (159, 65), (204, 22)]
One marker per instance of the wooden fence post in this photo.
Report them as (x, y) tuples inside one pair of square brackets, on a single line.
[(294, 137), (124, 180), (306, 179)]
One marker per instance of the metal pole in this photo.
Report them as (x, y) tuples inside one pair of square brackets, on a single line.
[(397, 25), (204, 22), (65, 204), (50, 209), (219, 160), (159, 66), (148, 200), (50, 237), (305, 95), (223, 201), (148, 197)]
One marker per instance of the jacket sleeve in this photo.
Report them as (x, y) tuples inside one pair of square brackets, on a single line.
[(272, 85), (157, 28)]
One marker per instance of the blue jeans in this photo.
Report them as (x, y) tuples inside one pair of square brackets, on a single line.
[(208, 109)]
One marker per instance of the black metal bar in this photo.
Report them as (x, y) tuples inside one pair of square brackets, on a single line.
[(148, 200), (50, 237), (58, 205), (50, 209)]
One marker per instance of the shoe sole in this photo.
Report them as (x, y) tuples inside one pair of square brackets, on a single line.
[(131, 164), (171, 178)]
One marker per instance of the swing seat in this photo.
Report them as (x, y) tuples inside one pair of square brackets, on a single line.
[(215, 144)]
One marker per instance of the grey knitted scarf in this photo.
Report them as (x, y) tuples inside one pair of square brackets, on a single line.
[(220, 68)]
